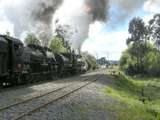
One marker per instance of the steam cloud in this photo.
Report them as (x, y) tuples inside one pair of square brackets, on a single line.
[(31, 16), (98, 9), (79, 17), (42, 17), (37, 17)]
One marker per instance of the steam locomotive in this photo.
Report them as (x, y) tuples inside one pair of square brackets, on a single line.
[(21, 64)]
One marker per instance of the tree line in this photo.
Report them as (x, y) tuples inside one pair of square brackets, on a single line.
[(143, 53)]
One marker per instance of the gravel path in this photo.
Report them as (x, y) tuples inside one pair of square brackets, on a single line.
[(86, 104)]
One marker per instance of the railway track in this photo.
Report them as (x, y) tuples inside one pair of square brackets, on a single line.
[(38, 96), (43, 100), (50, 102), (13, 96)]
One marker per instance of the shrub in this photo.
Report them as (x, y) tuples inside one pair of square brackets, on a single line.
[(152, 63)]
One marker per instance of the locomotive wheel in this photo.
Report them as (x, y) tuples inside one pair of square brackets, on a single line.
[(74, 71), (31, 78), (52, 76), (22, 79), (19, 79), (61, 71), (1, 84), (26, 78)]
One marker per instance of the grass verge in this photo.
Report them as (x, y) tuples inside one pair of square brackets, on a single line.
[(139, 98)]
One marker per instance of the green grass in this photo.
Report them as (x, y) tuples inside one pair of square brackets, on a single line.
[(139, 98)]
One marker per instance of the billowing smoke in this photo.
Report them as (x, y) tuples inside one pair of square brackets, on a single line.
[(36, 16), (79, 15), (31, 16), (42, 18), (98, 9)]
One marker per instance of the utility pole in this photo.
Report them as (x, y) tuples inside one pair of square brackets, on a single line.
[(96, 56), (107, 55)]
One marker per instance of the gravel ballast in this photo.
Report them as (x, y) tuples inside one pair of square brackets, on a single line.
[(13, 112), (86, 104)]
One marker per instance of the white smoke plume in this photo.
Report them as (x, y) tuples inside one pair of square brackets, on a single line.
[(31, 16), (36, 16), (42, 17), (79, 15)]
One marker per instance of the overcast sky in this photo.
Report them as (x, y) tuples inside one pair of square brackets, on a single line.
[(105, 39)]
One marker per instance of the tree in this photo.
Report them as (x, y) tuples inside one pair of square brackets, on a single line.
[(138, 30), (64, 32), (154, 29), (142, 56), (32, 39), (91, 61), (57, 45), (128, 63), (8, 33), (152, 63)]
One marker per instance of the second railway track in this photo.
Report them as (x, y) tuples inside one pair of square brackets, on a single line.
[(21, 109), (38, 96)]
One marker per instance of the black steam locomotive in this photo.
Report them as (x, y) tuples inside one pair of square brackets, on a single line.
[(21, 64)]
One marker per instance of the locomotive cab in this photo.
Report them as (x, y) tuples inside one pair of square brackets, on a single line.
[(11, 50)]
